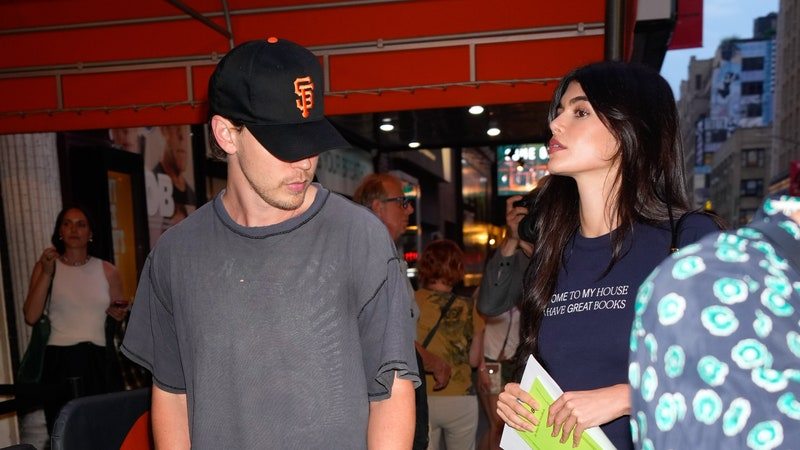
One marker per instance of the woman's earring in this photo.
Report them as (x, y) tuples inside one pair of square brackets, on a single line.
[(60, 237), (90, 239)]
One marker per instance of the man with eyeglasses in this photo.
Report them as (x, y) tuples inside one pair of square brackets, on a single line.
[(383, 194)]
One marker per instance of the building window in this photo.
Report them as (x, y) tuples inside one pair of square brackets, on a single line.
[(719, 135), (751, 188), (753, 157), (698, 82), (754, 110), (752, 88), (752, 63)]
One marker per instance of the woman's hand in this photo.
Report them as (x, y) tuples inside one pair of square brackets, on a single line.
[(514, 406), (118, 309), (576, 411), (435, 365), (48, 260), (441, 372)]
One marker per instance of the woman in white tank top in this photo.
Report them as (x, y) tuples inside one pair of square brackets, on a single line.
[(83, 288)]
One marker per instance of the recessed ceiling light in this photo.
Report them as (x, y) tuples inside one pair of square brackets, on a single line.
[(477, 109), (386, 127), (414, 144), (494, 131)]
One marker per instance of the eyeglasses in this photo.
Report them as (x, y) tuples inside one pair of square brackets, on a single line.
[(404, 201)]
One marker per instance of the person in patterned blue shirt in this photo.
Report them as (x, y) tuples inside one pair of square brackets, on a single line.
[(715, 347)]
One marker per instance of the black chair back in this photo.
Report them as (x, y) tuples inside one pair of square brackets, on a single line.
[(98, 421)]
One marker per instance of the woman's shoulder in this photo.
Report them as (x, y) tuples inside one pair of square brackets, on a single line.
[(108, 268), (696, 224)]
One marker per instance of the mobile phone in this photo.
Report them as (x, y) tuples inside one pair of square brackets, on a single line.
[(521, 203), (493, 369)]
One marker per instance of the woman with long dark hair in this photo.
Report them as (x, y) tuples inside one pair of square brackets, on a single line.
[(83, 290), (614, 208)]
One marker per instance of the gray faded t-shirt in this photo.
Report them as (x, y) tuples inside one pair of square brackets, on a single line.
[(280, 335)]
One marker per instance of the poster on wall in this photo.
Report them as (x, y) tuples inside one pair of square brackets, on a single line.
[(168, 172), (120, 199)]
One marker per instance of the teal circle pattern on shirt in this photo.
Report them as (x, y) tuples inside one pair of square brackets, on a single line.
[(765, 435), (649, 383), (735, 418), (687, 267), (671, 308), (666, 413), (737, 318), (707, 406), (762, 325), (788, 404), (750, 354), (719, 320), (712, 370), (793, 341), (730, 290), (674, 360)]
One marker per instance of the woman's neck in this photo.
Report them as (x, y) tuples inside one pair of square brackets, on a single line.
[(438, 286), (75, 256), (598, 211)]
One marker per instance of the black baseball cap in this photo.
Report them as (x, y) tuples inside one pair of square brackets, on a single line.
[(275, 87)]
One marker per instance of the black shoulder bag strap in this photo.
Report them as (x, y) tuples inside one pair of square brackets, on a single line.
[(501, 356), (675, 228), (445, 308), (46, 309)]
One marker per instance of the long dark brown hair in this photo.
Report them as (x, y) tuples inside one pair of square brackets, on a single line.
[(637, 106)]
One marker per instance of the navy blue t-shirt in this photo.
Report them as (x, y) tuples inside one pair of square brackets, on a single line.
[(585, 332)]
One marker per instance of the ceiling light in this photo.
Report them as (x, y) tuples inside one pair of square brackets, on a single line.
[(494, 131), (414, 144), (477, 109), (387, 124)]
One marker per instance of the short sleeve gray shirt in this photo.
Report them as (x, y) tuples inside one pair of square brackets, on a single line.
[(279, 335)]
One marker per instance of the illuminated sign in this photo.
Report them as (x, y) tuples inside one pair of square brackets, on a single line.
[(520, 167)]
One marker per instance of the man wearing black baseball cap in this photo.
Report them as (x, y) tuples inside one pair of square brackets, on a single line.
[(276, 315)]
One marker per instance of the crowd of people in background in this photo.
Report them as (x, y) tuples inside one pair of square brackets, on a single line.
[(662, 330)]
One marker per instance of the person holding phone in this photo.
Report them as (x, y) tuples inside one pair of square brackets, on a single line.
[(613, 208), (502, 279), (83, 290)]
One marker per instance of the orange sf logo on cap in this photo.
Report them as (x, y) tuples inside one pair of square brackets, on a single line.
[(304, 88)]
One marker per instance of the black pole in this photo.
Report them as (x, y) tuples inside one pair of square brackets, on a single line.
[(615, 30)]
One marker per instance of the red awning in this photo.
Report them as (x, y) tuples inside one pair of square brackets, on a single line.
[(85, 64)]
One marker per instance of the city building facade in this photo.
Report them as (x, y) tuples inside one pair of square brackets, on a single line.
[(738, 96), (786, 131), (693, 107), (740, 174)]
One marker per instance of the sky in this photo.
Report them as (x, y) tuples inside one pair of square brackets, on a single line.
[(721, 19)]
